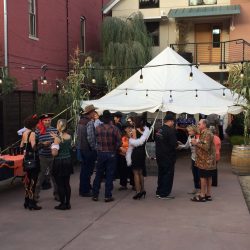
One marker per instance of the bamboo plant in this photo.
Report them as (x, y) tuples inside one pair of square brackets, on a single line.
[(239, 82)]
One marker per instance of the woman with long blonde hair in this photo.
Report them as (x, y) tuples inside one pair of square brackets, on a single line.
[(62, 167)]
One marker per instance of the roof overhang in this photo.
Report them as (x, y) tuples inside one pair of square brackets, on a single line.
[(109, 6), (224, 10), (155, 18)]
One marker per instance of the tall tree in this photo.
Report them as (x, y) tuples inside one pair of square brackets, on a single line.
[(126, 45)]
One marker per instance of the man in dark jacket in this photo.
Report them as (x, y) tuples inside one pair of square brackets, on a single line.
[(166, 143), (86, 145)]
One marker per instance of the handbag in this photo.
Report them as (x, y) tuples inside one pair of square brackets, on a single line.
[(29, 164)]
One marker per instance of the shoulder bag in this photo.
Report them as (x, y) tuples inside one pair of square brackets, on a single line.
[(29, 164)]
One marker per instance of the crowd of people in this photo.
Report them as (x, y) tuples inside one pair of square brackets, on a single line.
[(114, 148)]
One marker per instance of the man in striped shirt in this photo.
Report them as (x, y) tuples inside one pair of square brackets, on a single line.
[(46, 160)]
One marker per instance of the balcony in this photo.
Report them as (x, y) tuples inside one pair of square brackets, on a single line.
[(218, 54)]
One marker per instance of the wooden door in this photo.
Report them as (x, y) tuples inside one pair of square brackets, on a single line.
[(208, 37)]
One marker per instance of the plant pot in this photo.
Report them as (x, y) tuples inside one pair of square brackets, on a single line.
[(240, 159)]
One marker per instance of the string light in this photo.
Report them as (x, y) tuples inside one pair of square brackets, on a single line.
[(196, 94), (44, 68), (126, 92), (93, 80), (170, 96), (191, 74), (141, 77), (1, 80), (242, 71), (224, 95), (44, 80), (147, 92)]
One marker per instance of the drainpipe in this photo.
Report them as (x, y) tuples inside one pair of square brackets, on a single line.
[(67, 31), (5, 35)]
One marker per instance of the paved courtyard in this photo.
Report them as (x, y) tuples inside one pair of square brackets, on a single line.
[(223, 224)]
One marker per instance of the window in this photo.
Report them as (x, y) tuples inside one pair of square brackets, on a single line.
[(202, 2), (146, 4), (216, 37), (32, 18), (153, 30), (82, 34)]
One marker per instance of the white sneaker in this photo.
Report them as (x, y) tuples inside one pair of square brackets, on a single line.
[(169, 197)]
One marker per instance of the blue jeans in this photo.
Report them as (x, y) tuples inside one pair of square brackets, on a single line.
[(87, 168), (106, 163)]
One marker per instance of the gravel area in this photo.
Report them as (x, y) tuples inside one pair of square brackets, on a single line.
[(245, 186)]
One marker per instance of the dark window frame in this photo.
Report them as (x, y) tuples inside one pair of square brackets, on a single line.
[(201, 2), (149, 4), (32, 18), (152, 27), (216, 38)]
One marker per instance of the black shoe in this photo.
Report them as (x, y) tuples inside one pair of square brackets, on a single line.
[(68, 206), (61, 206), (137, 196), (109, 199), (95, 198), (143, 194), (26, 202), (86, 194), (33, 205)]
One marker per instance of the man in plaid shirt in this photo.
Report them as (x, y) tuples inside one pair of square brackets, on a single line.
[(108, 141)]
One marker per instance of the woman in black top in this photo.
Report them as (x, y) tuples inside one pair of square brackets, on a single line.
[(28, 143)]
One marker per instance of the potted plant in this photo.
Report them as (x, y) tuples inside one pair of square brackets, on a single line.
[(239, 83), (182, 40)]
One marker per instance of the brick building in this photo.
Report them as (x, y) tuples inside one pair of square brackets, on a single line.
[(38, 37)]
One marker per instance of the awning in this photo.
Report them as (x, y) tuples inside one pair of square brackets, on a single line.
[(205, 11)]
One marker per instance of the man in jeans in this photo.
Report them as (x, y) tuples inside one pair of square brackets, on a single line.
[(108, 141), (86, 144), (46, 160)]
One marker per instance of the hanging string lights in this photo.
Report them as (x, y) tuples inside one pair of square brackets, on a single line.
[(242, 71), (141, 76), (44, 68), (196, 94), (170, 96), (191, 73)]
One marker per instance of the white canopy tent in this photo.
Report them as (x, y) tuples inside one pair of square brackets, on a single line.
[(168, 88)]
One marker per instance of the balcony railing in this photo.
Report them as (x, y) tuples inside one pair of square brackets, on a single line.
[(223, 53)]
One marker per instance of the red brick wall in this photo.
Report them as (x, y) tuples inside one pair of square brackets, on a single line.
[(241, 21), (51, 46)]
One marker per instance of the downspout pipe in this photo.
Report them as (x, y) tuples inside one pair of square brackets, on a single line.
[(5, 34), (67, 33)]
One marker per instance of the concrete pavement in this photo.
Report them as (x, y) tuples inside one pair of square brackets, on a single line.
[(223, 224)]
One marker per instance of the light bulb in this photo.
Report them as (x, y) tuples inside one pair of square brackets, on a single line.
[(45, 80), (93, 80), (242, 74), (141, 78), (191, 76)]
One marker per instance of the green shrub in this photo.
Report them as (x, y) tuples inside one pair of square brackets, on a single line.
[(237, 140), (237, 125)]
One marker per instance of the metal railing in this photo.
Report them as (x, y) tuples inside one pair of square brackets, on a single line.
[(209, 53)]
